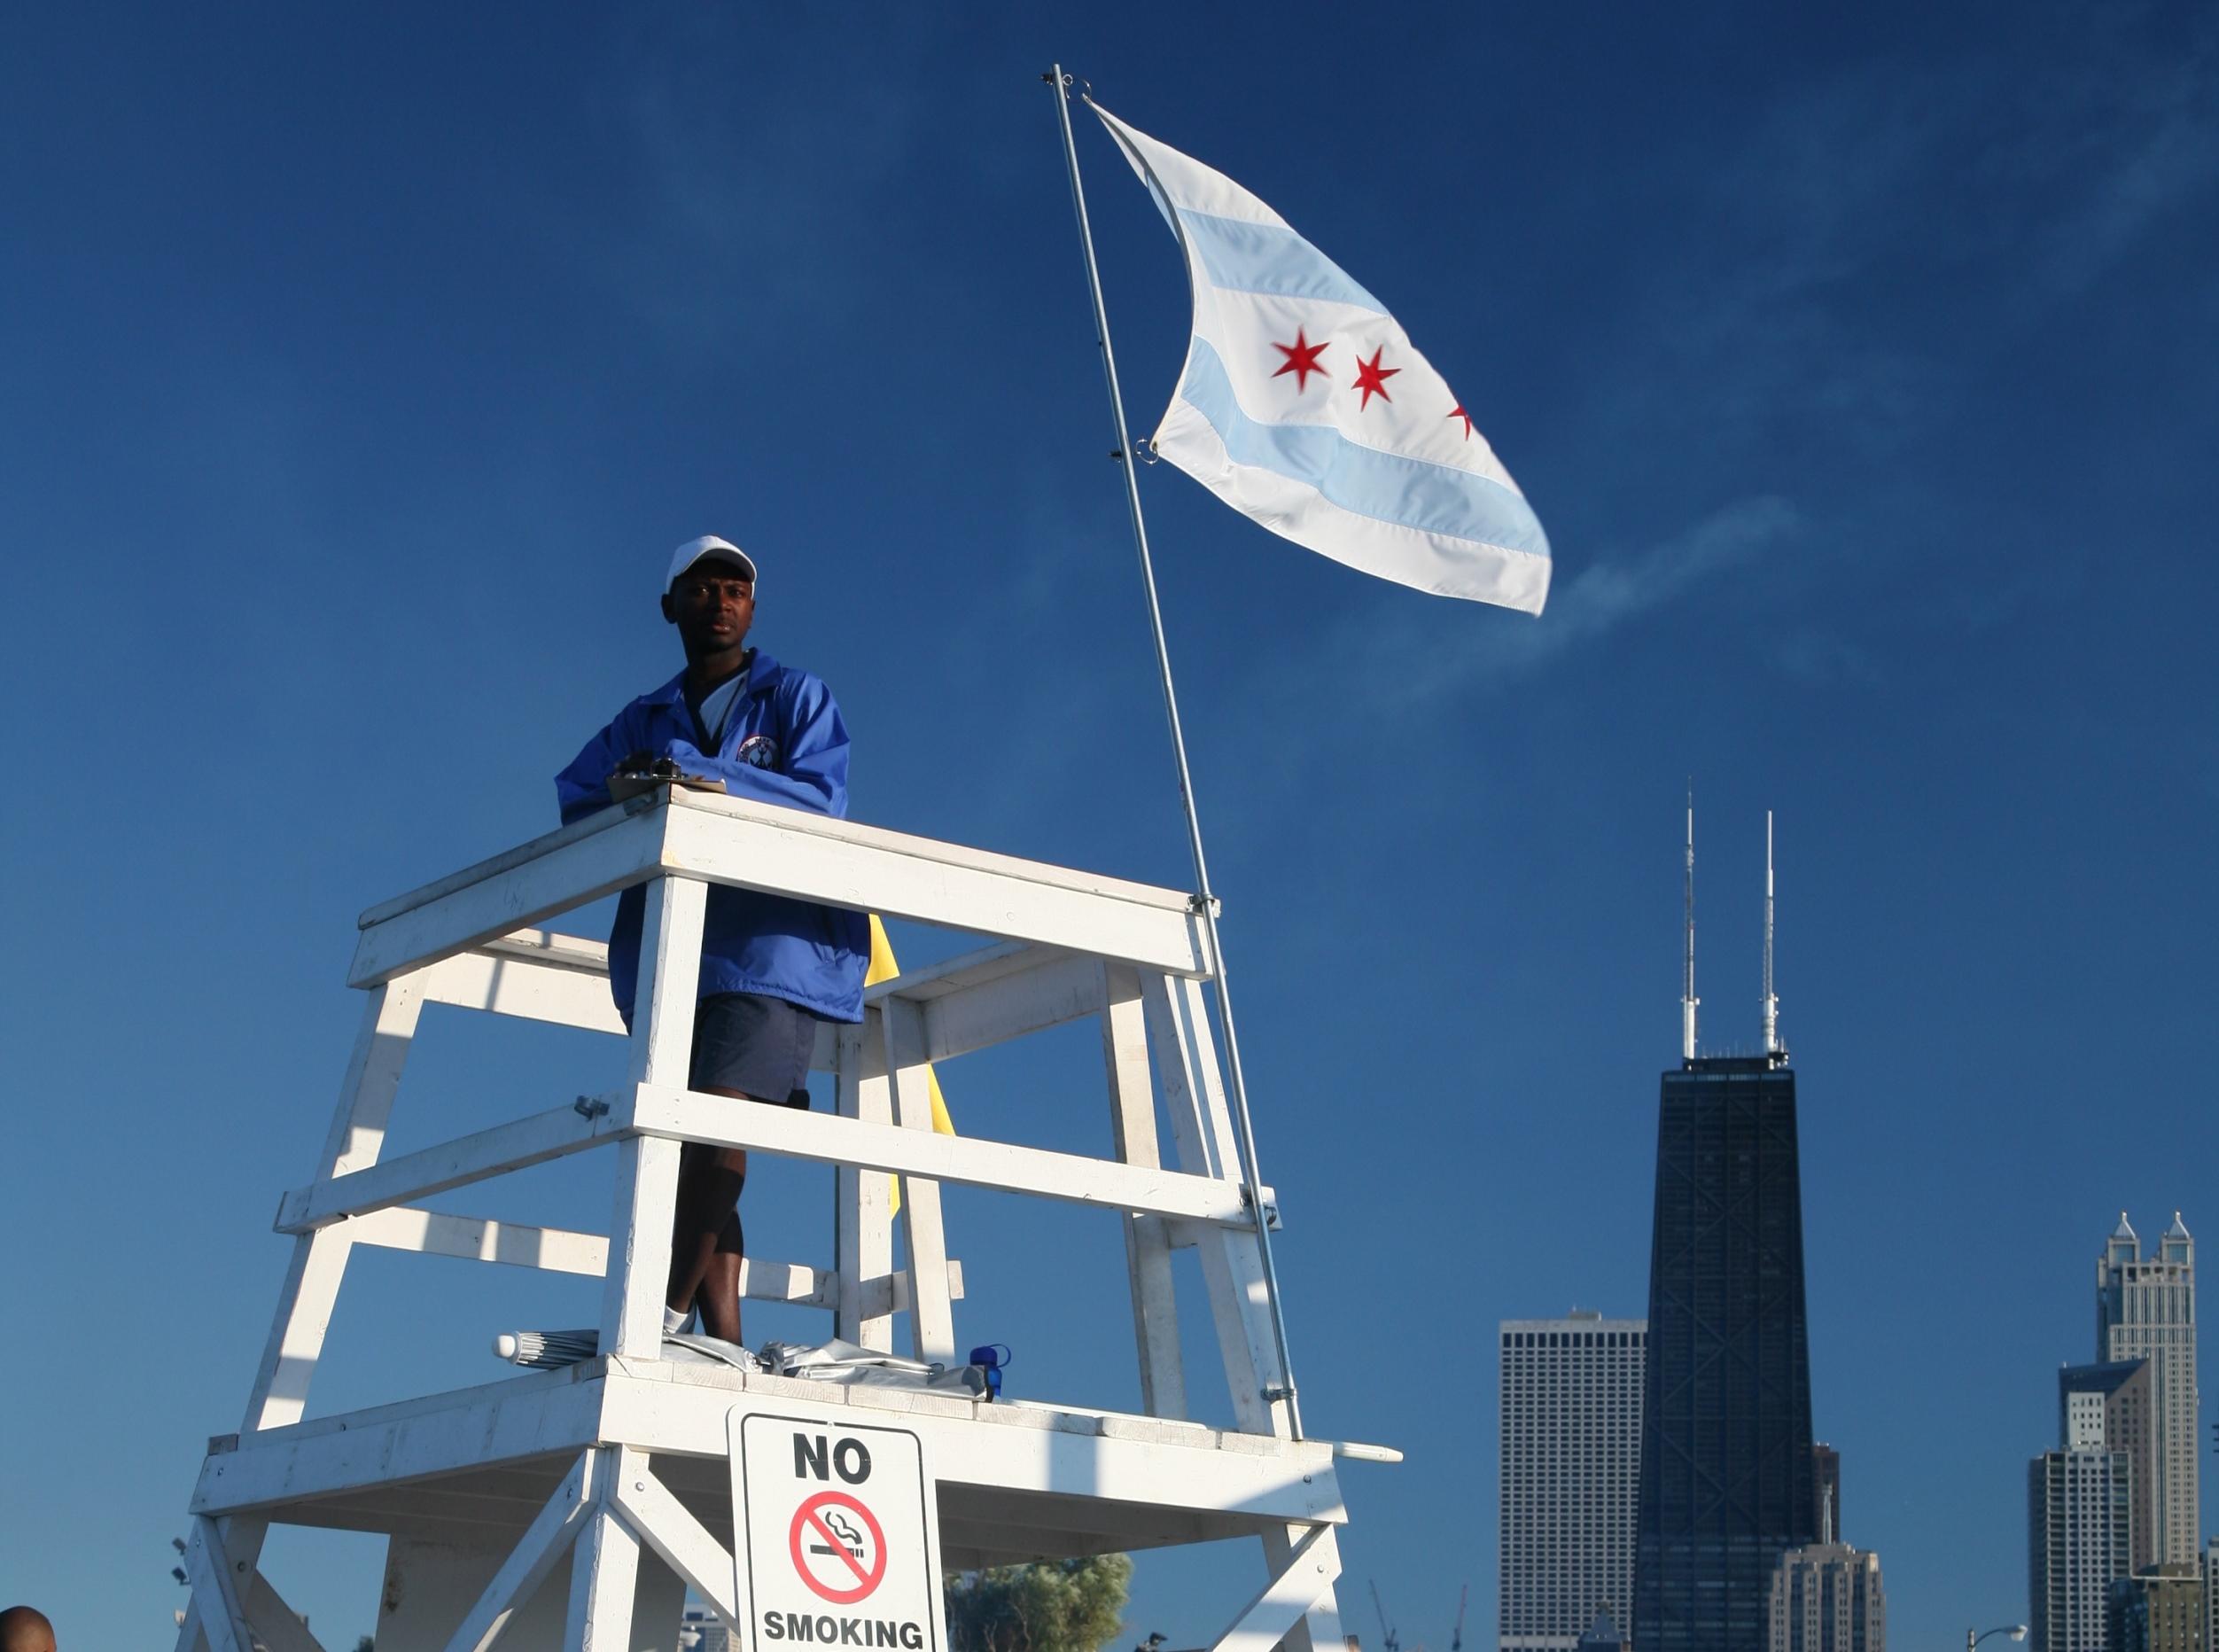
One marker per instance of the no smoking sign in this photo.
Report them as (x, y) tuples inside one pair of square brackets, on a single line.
[(838, 1538), (835, 1526)]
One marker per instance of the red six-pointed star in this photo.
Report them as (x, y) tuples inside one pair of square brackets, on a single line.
[(1371, 377), (1302, 361), (1457, 412)]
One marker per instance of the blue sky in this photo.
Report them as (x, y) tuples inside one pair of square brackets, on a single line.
[(362, 367)]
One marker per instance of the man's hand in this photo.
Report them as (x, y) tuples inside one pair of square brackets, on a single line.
[(646, 766), (641, 772)]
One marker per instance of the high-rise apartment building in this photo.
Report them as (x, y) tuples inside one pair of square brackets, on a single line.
[(2159, 1610), (2079, 1519), (1826, 1597), (1571, 1459), (2107, 1407), (2147, 1310), (1726, 1459)]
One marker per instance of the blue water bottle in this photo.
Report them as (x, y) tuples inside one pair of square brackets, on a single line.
[(992, 1357)]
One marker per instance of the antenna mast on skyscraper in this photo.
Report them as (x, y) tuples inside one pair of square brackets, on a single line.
[(1688, 999), (1771, 998)]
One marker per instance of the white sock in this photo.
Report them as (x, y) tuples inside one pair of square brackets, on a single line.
[(673, 1321)]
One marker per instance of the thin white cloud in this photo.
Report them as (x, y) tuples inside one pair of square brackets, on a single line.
[(1604, 597)]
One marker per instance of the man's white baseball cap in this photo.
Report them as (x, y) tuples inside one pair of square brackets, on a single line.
[(708, 546)]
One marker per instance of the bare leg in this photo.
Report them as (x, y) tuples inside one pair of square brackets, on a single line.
[(705, 1241), (720, 1293)]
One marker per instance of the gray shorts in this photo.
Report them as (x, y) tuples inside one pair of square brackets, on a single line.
[(757, 1045)]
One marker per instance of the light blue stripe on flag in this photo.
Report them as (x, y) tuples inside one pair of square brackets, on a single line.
[(1244, 257), (1409, 493)]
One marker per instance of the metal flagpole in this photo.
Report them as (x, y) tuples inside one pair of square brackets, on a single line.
[(1251, 1178)]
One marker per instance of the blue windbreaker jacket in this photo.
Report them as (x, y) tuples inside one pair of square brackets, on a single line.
[(783, 742)]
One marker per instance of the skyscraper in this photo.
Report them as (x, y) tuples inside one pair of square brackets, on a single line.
[(1826, 1598), (2077, 1527), (1572, 1459), (2108, 1407), (1726, 1458), (1726, 1462), (2147, 1310)]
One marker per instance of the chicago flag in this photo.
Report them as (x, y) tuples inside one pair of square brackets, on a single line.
[(1304, 405)]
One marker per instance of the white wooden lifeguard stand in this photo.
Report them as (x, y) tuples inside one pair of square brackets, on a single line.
[(615, 1471)]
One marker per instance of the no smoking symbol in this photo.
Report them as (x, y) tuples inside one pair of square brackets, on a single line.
[(837, 1547)]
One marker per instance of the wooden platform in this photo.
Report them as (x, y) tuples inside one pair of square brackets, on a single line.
[(1018, 1481)]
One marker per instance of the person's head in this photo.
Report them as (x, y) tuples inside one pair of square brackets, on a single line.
[(710, 597), (25, 1629)]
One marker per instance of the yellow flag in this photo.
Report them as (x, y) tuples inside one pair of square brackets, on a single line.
[(883, 967)]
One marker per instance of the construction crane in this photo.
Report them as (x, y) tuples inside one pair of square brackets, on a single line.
[(1393, 1642), (1456, 1638)]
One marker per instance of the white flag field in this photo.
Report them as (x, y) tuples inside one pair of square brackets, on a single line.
[(1304, 405)]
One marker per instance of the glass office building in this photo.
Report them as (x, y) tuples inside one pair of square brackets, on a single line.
[(1726, 1458)]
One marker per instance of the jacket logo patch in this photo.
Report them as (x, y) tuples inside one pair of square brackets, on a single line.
[(758, 751)]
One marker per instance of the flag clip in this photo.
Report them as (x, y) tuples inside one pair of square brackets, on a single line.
[(1270, 1207)]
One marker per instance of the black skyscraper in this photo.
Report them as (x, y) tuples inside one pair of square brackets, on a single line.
[(1726, 1472)]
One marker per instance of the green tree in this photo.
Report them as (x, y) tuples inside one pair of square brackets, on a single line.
[(1050, 1606)]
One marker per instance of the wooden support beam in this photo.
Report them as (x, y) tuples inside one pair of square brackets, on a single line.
[(1055, 989), (276, 1624), (604, 1566), (279, 1393), (561, 1251), (1073, 1177), (239, 1545), (581, 952), (982, 998), (537, 1553), (812, 857), (533, 1140), (1271, 1617), (1147, 1246), (482, 1239), (223, 1620), (863, 1200), (755, 846), (508, 984), (632, 1301), (665, 1525), (1319, 1629), (583, 861), (1201, 1134), (923, 1238), (975, 968)]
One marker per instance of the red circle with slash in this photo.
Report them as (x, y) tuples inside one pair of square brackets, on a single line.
[(823, 1534)]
